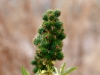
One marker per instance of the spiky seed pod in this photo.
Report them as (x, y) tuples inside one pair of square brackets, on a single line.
[(35, 69), (51, 16), (41, 30), (61, 36), (36, 41), (33, 62), (59, 55), (45, 17), (57, 13), (58, 24)]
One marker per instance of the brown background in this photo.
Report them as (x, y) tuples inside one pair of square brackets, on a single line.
[(20, 20)]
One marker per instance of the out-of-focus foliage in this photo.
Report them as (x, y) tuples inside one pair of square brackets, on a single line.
[(19, 20)]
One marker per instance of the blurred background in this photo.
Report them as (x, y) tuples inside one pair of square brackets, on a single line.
[(20, 20)]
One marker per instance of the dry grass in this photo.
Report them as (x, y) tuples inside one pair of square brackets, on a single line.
[(20, 19)]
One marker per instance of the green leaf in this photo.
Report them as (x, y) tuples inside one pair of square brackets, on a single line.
[(69, 70), (37, 73), (62, 68), (56, 70), (24, 71)]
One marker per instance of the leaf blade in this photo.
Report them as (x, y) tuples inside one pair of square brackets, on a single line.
[(24, 71), (56, 70), (62, 68), (69, 70)]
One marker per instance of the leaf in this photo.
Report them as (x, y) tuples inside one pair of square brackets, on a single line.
[(24, 71), (56, 70), (37, 73), (62, 68), (69, 70)]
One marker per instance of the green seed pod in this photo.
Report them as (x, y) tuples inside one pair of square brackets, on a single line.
[(62, 36), (59, 55), (51, 17), (41, 30), (58, 24), (35, 69), (45, 17), (33, 62), (36, 41), (57, 13), (47, 25)]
